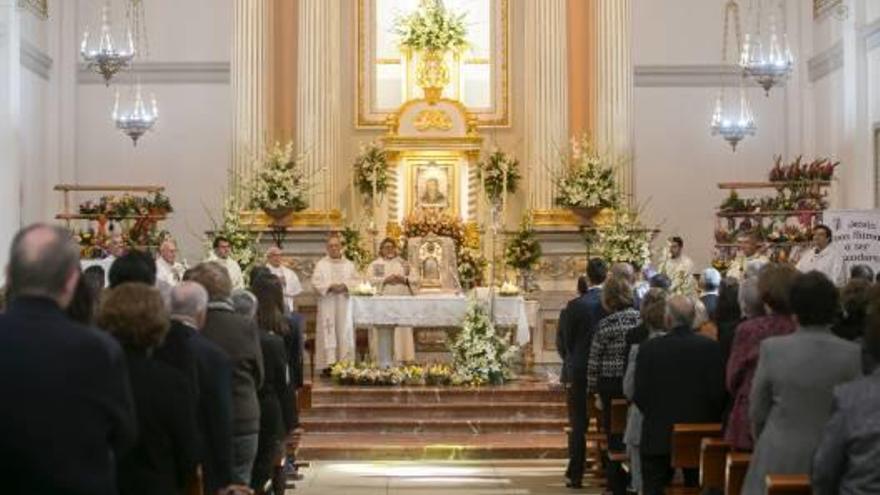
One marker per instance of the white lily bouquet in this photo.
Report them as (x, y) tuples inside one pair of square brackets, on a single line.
[(279, 184), (364, 289), (432, 27), (508, 289), (588, 180), (625, 239)]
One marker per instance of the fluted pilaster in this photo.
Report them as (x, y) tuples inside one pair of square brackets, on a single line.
[(251, 75), (318, 108), (614, 133), (546, 93)]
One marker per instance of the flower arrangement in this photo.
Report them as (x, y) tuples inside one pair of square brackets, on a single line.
[(279, 184), (364, 289), (820, 169), (431, 221), (471, 266), (371, 163), (508, 289), (368, 374), (479, 354), (243, 241), (353, 249), (432, 27), (624, 239), (127, 205), (523, 251), (588, 181), (499, 173)]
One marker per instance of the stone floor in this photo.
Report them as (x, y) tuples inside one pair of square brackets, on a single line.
[(514, 477)]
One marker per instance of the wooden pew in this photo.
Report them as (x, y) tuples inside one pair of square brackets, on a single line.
[(713, 455), (619, 410), (686, 442), (735, 472), (788, 484)]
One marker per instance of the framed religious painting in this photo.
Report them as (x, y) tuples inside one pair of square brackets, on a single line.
[(433, 185)]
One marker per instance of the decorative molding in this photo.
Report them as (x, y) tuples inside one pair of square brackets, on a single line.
[(824, 8), (39, 8), (826, 62), (686, 76), (168, 73), (35, 60)]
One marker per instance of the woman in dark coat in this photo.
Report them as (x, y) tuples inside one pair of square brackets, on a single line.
[(276, 396), (164, 458)]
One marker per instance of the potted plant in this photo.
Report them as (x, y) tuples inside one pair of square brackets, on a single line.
[(279, 188)]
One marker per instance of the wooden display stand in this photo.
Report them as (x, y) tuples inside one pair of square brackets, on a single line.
[(778, 250)]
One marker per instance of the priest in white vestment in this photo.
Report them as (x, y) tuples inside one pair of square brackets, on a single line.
[(823, 257), (749, 260), (679, 268), (222, 255), (168, 269), (390, 275), (289, 281), (334, 275)]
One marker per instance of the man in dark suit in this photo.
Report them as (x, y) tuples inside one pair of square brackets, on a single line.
[(67, 410), (678, 379), (213, 381), (239, 339), (578, 322)]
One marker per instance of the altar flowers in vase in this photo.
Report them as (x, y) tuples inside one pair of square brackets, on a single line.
[(587, 181), (480, 355)]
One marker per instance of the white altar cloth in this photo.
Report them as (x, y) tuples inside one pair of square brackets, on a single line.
[(434, 310)]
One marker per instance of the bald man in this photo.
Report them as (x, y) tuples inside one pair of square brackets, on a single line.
[(289, 280), (678, 379), (67, 410), (168, 269)]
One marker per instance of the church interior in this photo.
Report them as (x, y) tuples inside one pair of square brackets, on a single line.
[(433, 191)]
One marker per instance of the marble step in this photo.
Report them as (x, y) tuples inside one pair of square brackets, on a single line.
[(446, 410), (425, 395), (372, 447), (447, 426)]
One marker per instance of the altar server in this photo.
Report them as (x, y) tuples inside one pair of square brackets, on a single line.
[(823, 257), (289, 281), (168, 270), (222, 254), (389, 273), (334, 332)]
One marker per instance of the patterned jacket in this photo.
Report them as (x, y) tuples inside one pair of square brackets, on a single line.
[(608, 354)]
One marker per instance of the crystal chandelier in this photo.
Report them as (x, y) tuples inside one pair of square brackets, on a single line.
[(106, 58), (137, 117), (732, 118), (771, 66)]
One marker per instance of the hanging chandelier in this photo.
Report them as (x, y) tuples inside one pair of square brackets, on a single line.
[(107, 58), (771, 66), (732, 118), (136, 117)]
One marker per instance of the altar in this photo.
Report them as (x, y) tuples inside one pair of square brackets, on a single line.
[(431, 310)]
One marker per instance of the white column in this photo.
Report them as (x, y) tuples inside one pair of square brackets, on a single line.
[(250, 87), (10, 167), (546, 93), (318, 108), (614, 115)]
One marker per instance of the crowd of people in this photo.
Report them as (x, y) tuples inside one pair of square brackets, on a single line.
[(164, 381), (783, 356)]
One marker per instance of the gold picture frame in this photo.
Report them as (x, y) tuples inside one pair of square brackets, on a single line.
[(432, 183)]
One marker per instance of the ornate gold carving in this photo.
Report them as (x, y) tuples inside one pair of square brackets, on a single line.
[(432, 119), (555, 218), (331, 219)]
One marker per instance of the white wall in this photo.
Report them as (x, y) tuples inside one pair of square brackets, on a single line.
[(677, 162), (189, 149)]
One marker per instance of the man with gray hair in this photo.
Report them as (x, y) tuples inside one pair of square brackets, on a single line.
[(679, 379), (245, 303), (212, 375), (710, 281), (64, 385)]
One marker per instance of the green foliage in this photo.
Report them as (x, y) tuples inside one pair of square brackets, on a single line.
[(479, 354)]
